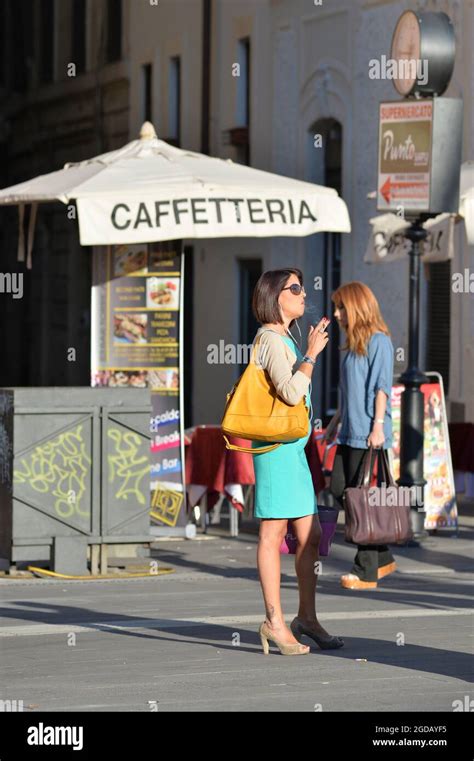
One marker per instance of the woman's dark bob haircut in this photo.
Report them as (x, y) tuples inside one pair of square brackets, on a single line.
[(266, 292)]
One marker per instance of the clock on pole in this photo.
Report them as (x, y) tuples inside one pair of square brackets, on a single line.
[(424, 49)]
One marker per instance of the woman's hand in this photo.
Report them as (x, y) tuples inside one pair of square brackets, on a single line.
[(376, 437), (317, 340)]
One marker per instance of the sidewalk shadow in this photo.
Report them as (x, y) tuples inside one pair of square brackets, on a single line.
[(426, 553), (395, 589), (421, 555), (431, 660)]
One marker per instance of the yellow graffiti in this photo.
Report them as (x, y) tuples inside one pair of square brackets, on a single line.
[(58, 468), (127, 465), (166, 504)]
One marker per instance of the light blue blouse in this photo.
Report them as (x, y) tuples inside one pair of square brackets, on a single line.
[(361, 378)]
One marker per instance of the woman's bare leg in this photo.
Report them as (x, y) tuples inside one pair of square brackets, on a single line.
[(308, 533), (272, 532)]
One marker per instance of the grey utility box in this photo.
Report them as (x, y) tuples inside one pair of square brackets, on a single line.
[(74, 462)]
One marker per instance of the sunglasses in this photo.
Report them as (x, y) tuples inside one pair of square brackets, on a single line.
[(295, 289)]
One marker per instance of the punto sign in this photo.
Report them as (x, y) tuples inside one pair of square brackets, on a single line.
[(420, 143), (405, 138)]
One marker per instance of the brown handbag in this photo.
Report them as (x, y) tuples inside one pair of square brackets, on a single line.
[(377, 514)]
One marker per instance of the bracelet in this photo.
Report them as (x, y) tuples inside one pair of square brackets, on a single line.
[(308, 359), (379, 420)]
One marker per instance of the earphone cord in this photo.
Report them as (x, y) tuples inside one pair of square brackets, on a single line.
[(292, 336)]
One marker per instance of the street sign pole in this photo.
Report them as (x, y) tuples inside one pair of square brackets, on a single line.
[(420, 147), (412, 402)]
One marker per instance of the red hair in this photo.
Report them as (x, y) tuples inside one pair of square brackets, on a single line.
[(363, 315)]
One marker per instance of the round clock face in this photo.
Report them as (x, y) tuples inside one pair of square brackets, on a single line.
[(406, 44)]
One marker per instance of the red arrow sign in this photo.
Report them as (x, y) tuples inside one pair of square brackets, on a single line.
[(385, 190), (388, 186)]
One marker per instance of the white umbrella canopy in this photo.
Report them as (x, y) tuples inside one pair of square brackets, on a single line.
[(388, 225), (151, 191), (466, 203)]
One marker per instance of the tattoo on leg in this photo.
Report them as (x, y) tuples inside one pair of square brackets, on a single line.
[(270, 612)]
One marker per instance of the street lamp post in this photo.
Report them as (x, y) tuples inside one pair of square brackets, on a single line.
[(412, 401), (424, 183)]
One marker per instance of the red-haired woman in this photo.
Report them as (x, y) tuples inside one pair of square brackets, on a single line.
[(364, 411)]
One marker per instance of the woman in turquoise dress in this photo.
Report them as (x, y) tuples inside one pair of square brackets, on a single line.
[(283, 484)]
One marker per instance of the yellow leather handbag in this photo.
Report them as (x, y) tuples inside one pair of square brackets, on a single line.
[(255, 411)]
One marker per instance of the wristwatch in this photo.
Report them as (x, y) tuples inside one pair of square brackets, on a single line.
[(379, 420), (309, 359)]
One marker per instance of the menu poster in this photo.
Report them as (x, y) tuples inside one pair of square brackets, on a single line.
[(136, 340), (138, 311), (168, 504), (439, 492)]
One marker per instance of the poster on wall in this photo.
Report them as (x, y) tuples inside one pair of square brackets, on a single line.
[(137, 342), (439, 493)]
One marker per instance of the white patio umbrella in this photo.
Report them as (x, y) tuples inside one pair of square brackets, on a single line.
[(466, 203), (150, 191)]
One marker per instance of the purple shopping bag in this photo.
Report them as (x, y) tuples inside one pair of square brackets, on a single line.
[(328, 521)]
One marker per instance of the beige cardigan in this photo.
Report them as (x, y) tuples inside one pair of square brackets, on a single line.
[(281, 363)]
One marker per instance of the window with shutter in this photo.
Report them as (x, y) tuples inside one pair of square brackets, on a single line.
[(249, 273)]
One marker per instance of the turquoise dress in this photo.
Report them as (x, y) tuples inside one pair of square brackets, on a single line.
[(283, 483)]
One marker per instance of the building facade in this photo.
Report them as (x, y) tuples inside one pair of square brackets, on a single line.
[(64, 96), (280, 84)]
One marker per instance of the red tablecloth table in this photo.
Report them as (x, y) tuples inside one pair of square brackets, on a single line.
[(221, 471)]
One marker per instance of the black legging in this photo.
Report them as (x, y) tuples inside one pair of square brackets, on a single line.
[(345, 473)]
